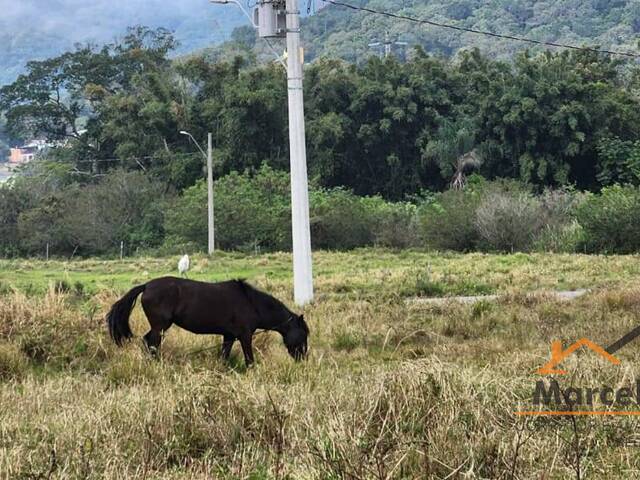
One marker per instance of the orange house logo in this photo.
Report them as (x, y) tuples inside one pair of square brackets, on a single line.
[(558, 355), (570, 400)]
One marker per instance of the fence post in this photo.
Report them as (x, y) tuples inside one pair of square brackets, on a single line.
[(121, 250), (47, 254)]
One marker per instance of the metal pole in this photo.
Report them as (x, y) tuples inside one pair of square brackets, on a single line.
[(47, 251), (121, 249), (387, 45), (210, 194), (209, 157), (302, 268)]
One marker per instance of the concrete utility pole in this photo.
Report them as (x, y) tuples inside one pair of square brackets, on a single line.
[(277, 19), (302, 267), (209, 158)]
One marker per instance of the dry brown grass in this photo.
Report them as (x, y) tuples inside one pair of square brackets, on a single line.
[(389, 391)]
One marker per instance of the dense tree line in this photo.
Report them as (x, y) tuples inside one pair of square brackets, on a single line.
[(382, 129)]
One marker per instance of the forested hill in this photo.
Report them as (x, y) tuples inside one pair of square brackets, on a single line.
[(27, 33), (337, 31)]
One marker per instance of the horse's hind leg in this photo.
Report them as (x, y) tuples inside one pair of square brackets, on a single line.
[(153, 338), (159, 320), (227, 344)]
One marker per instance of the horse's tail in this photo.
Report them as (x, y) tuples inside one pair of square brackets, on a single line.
[(118, 316)]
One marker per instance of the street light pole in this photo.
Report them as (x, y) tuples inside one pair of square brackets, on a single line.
[(211, 232), (302, 267), (209, 158)]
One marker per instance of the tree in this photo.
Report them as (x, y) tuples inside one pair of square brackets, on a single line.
[(541, 121), (453, 149), (619, 161), (4, 151), (60, 99), (47, 205), (4, 142), (13, 201), (123, 207), (368, 125), (244, 107)]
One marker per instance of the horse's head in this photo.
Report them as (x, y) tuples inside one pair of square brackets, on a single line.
[(295, 337)]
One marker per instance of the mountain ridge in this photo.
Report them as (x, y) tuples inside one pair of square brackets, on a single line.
[(346, 33), (332, 31)]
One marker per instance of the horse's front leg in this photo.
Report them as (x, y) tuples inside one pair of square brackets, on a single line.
[(247, 349), (227, 344)]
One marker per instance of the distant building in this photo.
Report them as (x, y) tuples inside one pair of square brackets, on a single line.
[(26, 153), (21, 155)]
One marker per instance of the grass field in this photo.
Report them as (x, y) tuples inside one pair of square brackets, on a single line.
[(392, 389)]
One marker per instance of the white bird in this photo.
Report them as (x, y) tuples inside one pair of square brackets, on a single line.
[(183, 265)]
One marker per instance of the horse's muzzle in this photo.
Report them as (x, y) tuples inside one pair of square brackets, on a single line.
[(299, 352)]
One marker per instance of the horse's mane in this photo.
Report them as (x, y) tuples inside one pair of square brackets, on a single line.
[(258, 298)]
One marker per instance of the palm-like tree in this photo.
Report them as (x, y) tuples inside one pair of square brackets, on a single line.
[(464, 163), (453, 149)]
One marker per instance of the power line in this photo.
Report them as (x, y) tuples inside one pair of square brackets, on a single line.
[(137, 160), (478, 32), (128, 159)]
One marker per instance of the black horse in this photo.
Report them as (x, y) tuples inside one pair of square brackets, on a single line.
[(233, 309)]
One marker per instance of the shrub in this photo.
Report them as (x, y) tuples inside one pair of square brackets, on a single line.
[(397, 225), (508, 221), (503, 216), (250, 210), (611, 220), (560, 232), (341, 220), (186, 218), (566, 238), (558, 207), (254, 210), (447, 223), (13, 201), (124, 206)]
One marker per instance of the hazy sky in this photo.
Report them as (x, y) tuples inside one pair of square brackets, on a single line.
[(39, 29), (103, 20)]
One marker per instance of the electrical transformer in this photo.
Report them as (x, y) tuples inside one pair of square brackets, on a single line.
[(271, 18)]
